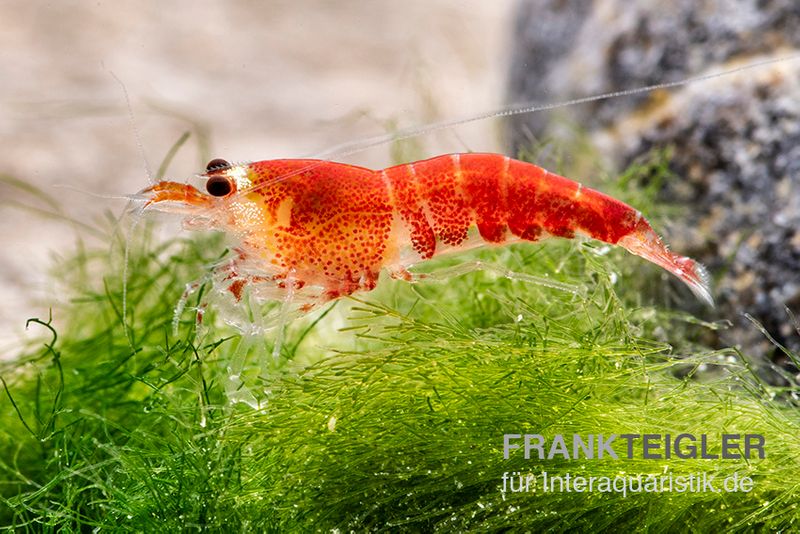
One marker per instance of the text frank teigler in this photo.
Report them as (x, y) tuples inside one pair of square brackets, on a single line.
[(629, 447)]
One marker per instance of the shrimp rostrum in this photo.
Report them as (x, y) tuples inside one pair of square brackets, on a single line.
[(313, 230)]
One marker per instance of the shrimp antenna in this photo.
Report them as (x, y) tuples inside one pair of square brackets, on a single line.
[(149, 172), (359, 145), (353, 147), (93, 194), (125, 263), (134, 129)]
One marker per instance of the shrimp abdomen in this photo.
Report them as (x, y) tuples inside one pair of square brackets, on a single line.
[(441, 198)]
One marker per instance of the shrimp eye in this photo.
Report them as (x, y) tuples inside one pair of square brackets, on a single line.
[(218, 186), (217, 163)]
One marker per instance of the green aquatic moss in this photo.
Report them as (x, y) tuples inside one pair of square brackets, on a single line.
[(386, 411)]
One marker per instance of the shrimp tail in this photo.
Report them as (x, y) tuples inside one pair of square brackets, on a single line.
[(563, 208), (644, 242)]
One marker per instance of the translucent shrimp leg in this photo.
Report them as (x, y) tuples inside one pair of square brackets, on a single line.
[(445, 274), (283, 317)]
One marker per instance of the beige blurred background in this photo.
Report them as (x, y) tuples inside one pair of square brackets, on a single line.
[(268, 79)]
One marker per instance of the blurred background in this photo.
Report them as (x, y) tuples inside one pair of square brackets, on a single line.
[(250, 80)]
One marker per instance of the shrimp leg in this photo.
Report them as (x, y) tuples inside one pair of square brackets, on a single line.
[(444, 274), (283, 317)]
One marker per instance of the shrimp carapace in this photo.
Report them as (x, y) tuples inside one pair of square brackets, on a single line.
[(327, 229)]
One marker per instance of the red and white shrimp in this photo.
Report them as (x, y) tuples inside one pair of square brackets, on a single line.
[(317, 230)]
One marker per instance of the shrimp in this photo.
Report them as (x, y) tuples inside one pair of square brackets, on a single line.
[(317, 230)]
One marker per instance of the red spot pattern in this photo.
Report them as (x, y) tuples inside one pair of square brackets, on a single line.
[(236, 288), (483, 179), (406, 193), (441, 194), (547, 202), (339, 224), (501, 195)]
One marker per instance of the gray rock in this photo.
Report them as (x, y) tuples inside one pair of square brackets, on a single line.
[(735, 139)]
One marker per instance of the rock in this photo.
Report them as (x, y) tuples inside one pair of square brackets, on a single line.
[(735, 139)]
